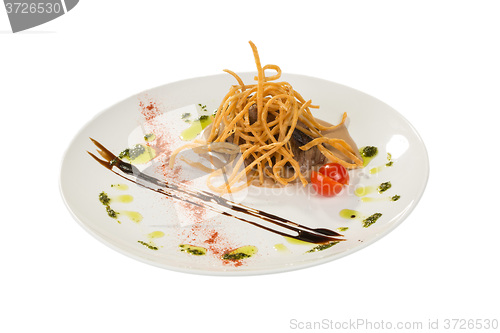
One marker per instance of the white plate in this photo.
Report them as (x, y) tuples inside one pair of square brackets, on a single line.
[(371, 123)]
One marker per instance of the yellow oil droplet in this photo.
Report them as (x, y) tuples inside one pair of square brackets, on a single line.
[(375, 170), (350, 214), (156, 234), (362, 191), (281, 247), (196, 127), (366, 160), (121, 187), (148, 154), (134, 216), (370, 199), (126, 198), (247, 249)]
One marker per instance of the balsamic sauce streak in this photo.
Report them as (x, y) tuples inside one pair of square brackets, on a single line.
[(213, 202)]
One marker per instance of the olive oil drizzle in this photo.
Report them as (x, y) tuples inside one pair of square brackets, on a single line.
[(120, 187), (133, 216), (240, 253), (196, 127), (280, 247), (193, 250), (389, 163)]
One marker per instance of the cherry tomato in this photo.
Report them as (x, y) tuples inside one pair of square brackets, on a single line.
[(336, 172), (324, 185)]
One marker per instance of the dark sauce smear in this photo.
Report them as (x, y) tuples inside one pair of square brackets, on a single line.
[(213, 202)]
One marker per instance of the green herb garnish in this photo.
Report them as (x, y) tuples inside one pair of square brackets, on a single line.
[(369, 151), (194, 250), (136, 151), (235, 256), (111, 213), (371, 219), (149, 246), (132, 153), (322, 247), (124, 154), (384, 187), (104, 198)]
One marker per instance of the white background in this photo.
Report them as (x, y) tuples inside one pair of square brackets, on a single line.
[(436, 62)]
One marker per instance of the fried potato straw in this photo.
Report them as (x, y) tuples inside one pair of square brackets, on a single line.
[(265, 143)]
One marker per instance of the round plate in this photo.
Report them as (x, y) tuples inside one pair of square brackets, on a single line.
[(151, 227)]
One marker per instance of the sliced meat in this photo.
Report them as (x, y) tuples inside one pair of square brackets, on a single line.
[(300, 137), (308, 158), (253, 116)]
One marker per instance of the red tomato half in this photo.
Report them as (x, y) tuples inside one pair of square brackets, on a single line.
[(336, 172), (325, 185)]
